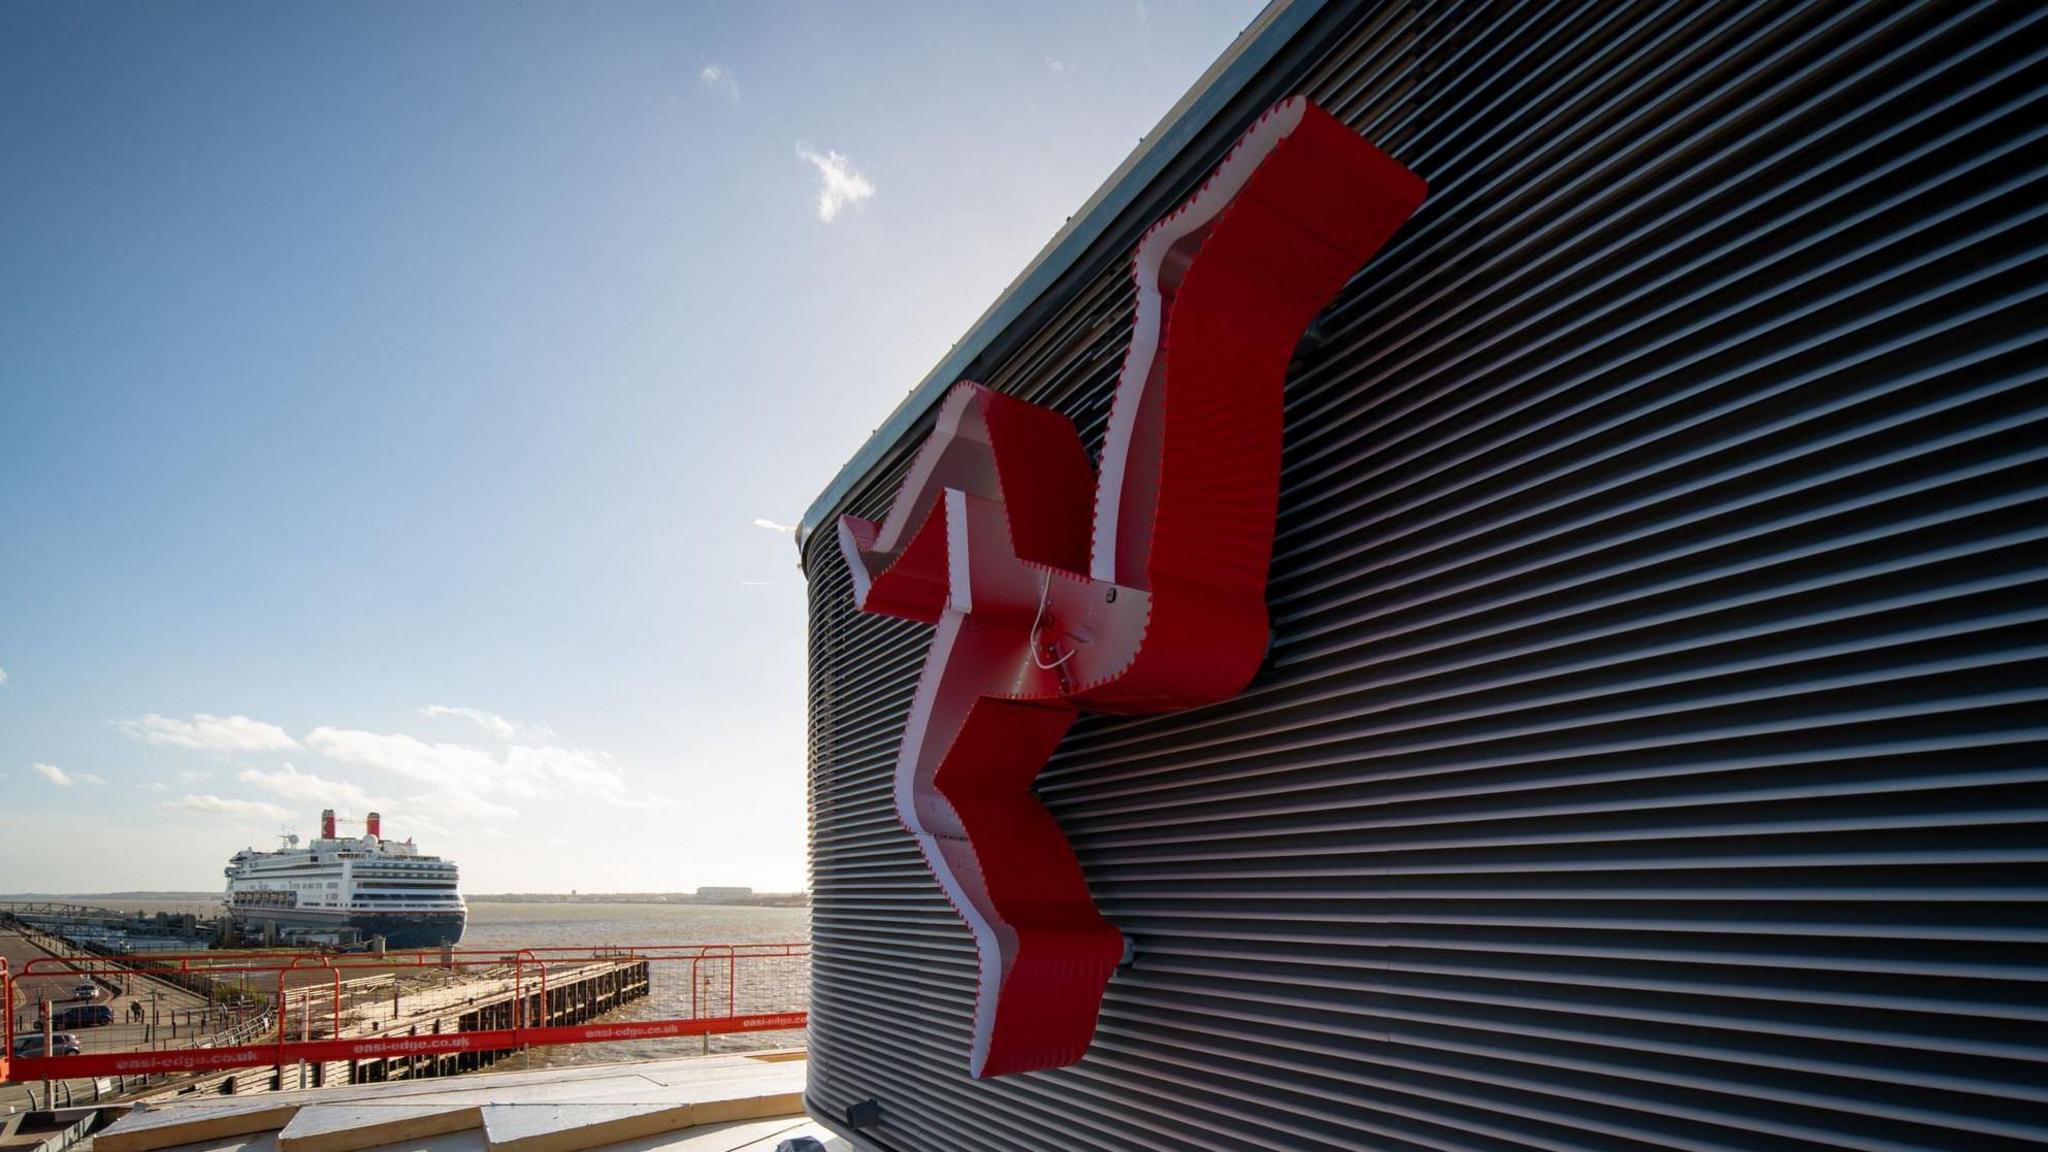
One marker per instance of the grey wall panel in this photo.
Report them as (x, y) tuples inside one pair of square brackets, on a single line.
[(1651, 753)]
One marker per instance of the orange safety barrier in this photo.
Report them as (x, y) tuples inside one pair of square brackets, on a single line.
[(6, 1019), (308, 1004)]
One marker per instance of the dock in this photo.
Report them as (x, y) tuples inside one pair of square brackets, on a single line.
[(408, 1005), (221, 1009)]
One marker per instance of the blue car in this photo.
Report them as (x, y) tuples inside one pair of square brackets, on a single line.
[(81, 1015)]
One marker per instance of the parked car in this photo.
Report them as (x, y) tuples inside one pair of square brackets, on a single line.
[(81, 1015), (86, 990), (61, 1044)]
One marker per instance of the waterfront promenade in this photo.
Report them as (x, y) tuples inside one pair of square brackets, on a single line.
[(404, 1000), (172, 1016)]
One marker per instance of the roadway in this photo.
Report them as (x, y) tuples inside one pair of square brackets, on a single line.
[(171, 1016)]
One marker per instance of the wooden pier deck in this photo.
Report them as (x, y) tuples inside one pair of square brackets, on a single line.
[(186, 1010), (432, 1002)]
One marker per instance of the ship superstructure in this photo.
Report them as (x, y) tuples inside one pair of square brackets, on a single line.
[(335, 884)]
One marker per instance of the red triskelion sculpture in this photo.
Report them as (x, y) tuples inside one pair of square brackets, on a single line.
[(1164, 609)]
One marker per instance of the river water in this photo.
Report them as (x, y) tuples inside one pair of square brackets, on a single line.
[(494, 925), (750, 986)]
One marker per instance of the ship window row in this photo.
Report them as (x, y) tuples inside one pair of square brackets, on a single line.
[(332, 859), (401, 885)]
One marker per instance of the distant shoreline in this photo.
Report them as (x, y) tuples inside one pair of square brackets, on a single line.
[(757, 899)]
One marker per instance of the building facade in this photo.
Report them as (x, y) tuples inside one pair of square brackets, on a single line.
[(1650, 751)]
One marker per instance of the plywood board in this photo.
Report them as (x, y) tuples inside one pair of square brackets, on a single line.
[(712, 1096), (146, 1130), (260, 1142), (730, 1075), (761, 1102), (551, 1110), (741, 1136), (357, 1124), (493, 1079), (568, 1127), (469, 1141)]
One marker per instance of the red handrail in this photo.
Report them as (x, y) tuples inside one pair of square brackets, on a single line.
[(531, 971), (6, 1018)]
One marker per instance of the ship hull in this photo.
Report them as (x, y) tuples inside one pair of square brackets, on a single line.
[(399, 929)]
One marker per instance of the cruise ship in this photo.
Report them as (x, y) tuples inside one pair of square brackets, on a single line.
[(325, 889)]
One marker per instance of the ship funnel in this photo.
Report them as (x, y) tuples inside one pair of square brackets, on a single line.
[(327, 823), (374, 826)]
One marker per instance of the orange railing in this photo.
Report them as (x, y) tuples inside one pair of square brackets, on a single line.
[(256, 1009)]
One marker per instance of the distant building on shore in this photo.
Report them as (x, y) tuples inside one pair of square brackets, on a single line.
[(724, 895)]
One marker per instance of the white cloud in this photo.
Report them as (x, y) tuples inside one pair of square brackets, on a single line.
[(414, 819), (308, 789), (719, 77), (842, 182), (209, 733), (3, 677), (772, 526), (89, 778), (193, 775), (465, 808), (156, 786), (493, 723), (447, 764), (1053, 65), (225, 806), (54, 775), (467, 780), (547, 770)]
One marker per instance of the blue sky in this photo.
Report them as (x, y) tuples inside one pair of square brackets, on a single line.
[(388, 393)]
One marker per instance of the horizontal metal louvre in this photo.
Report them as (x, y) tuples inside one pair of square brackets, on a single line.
[(1651, 751)]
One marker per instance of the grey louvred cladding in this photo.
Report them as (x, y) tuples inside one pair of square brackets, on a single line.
[(1651, 751)]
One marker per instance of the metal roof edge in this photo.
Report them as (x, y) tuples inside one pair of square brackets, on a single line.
[(1253, 49)]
